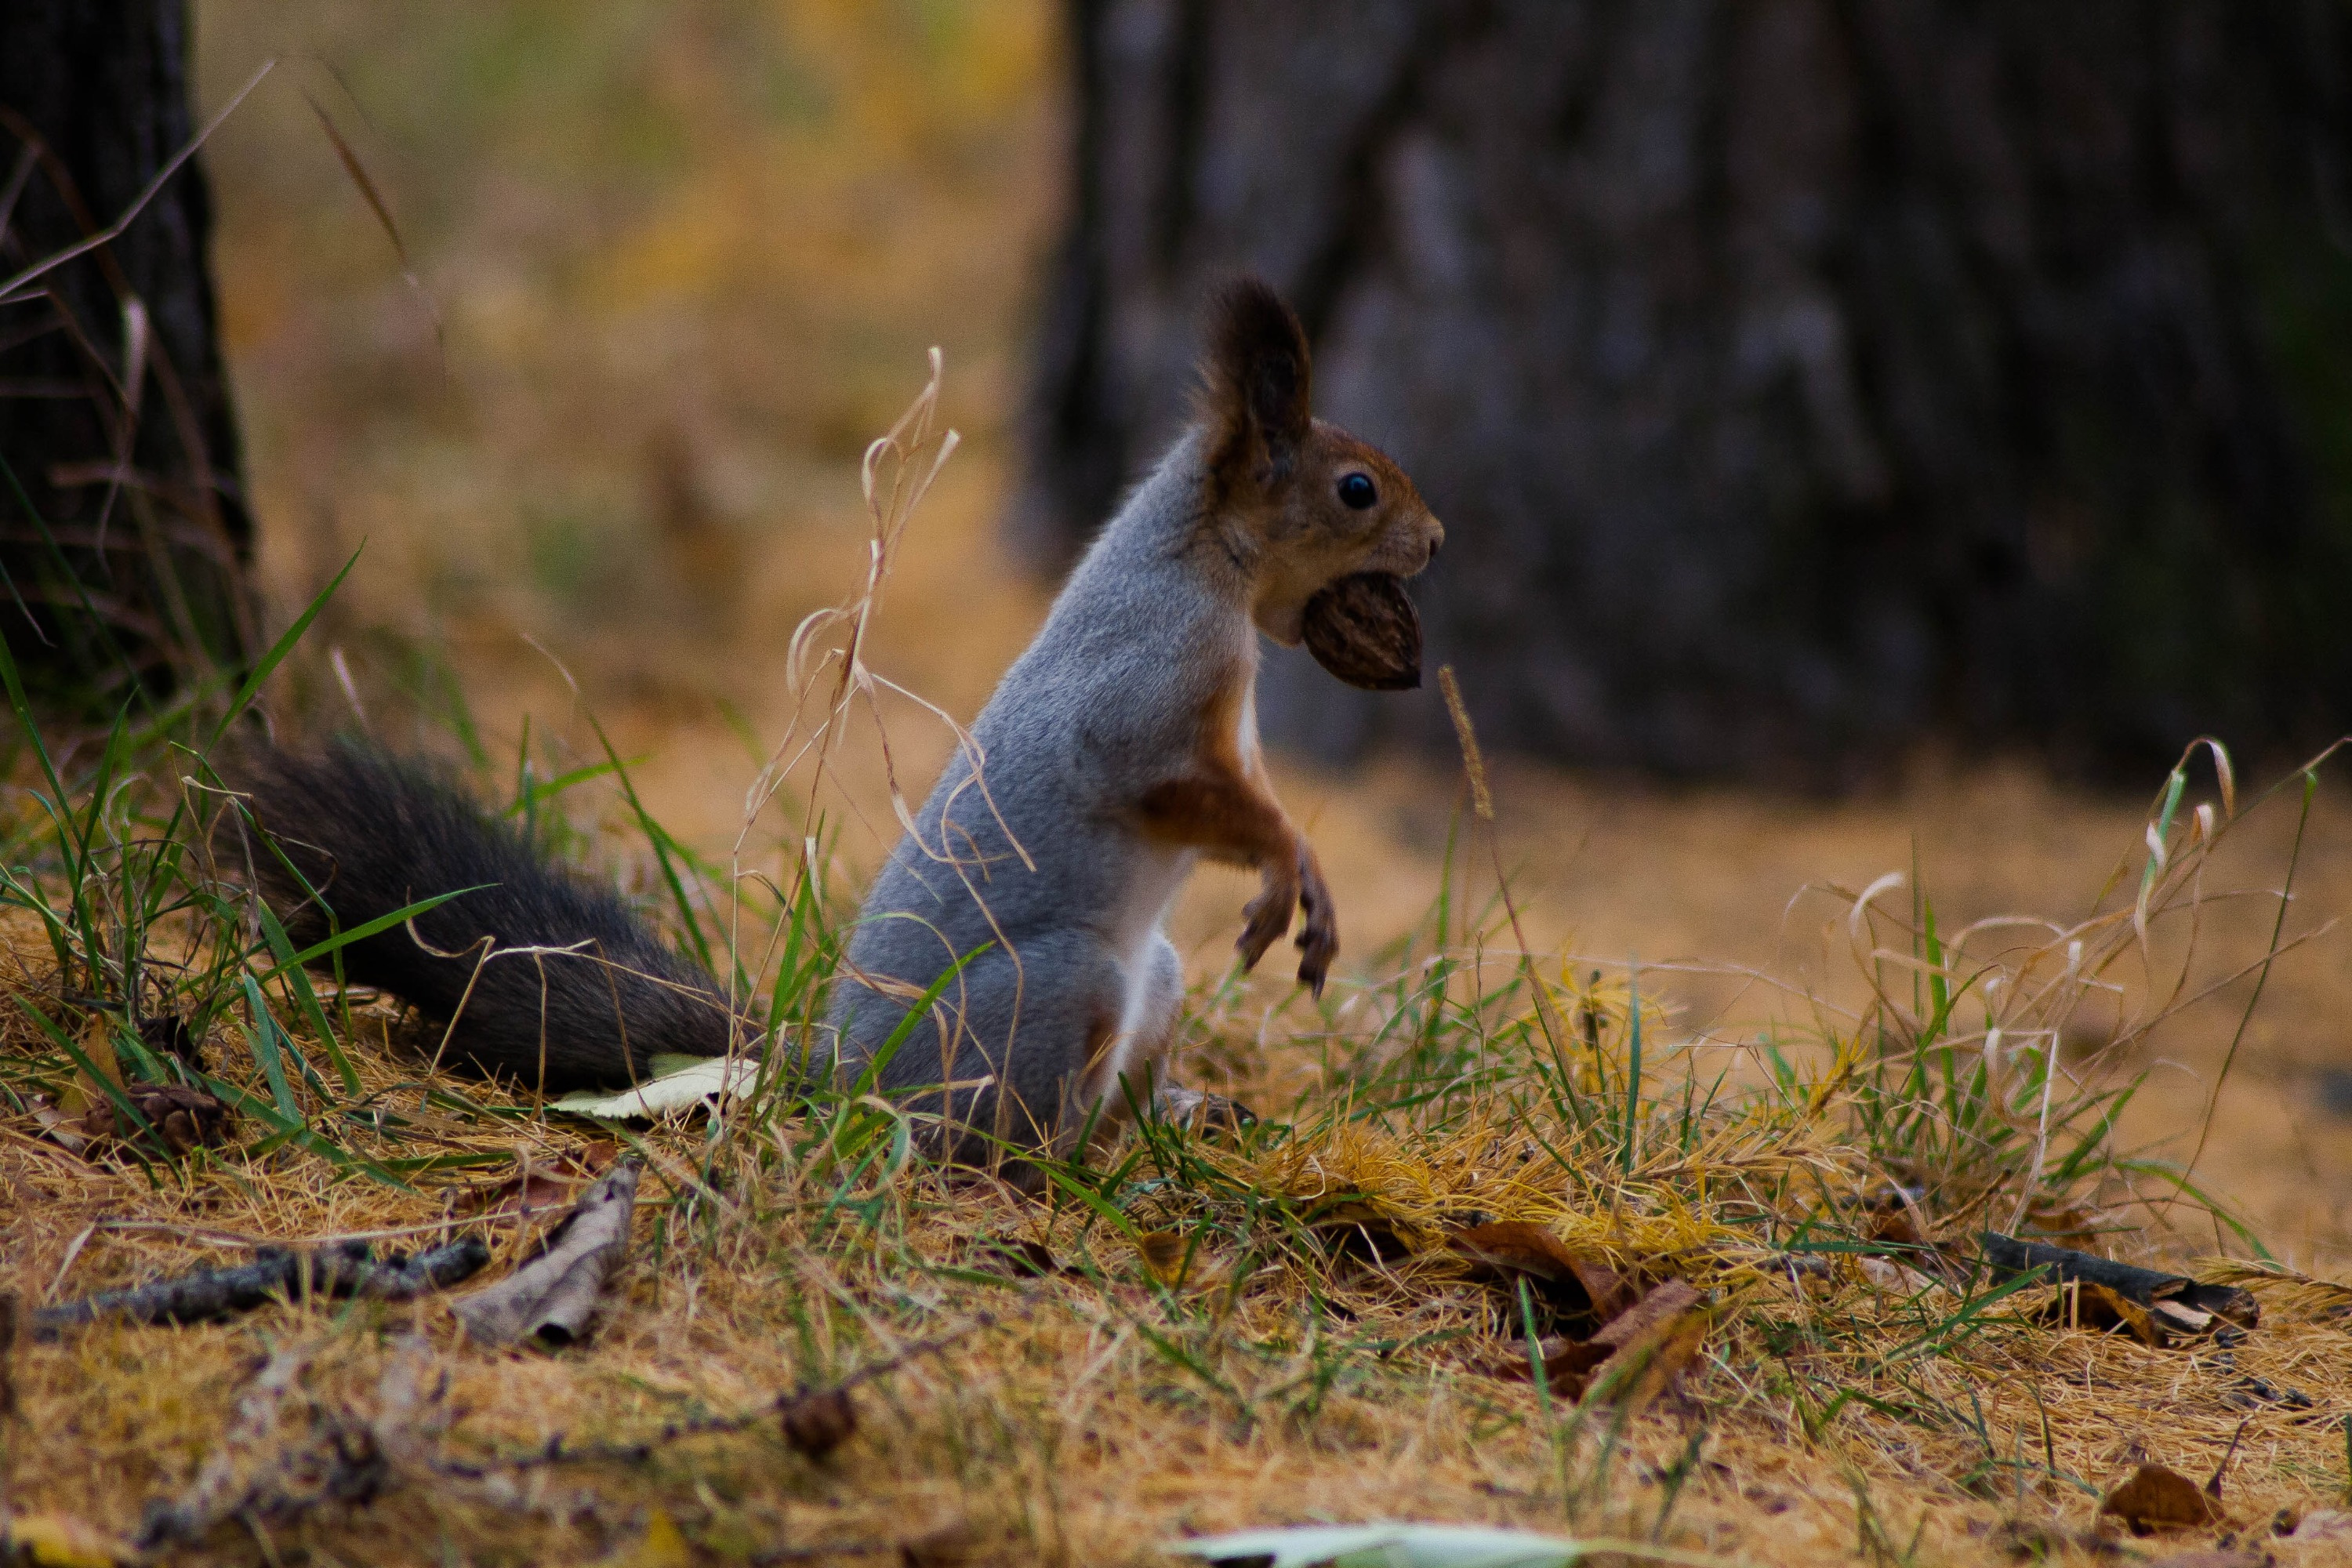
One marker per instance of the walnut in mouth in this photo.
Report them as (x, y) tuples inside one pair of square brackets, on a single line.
[(1364, 630)]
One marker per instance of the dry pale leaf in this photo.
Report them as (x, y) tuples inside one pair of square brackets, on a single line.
[(552, 1297), (702, 1079), (1408, 1546), (539, 1185)]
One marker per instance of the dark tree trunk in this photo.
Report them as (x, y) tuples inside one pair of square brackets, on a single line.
[(1795, 378), (125, 534)]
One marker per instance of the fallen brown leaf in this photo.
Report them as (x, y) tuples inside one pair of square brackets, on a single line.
[(538, 1185), (1632, 1361), (2160, 1498), (1663, 1305), (97, 1044), (1654, 1340), (1576, 1286), (1162, 1252), (1567, 1364)]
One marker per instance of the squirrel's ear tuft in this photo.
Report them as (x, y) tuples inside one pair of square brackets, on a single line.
[(1258, 388)]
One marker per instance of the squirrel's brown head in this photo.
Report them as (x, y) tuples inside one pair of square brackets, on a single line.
[(1294, 502)]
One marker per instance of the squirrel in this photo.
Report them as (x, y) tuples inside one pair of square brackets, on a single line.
[(1120, 749)]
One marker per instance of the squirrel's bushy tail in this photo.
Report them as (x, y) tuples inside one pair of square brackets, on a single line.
[(551, 982)]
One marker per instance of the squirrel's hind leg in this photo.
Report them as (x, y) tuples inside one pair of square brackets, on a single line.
[(1152, 989), (1021, 1037), (1133, 1071)]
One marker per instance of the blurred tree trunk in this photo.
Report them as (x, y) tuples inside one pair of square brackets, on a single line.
[(114, 418), (1796, 378)]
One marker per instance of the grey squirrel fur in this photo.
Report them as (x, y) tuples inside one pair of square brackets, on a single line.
[(1117, 751)]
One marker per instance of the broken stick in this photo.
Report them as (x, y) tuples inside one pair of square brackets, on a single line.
[(207, 1295)]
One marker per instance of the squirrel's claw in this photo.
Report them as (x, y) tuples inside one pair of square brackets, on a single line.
[(1315, 959), (1265, 918), (1319, 939)]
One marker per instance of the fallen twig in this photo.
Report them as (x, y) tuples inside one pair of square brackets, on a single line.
[(256, 1471), (207, 1295), (815, 1420), (2184, 1303)]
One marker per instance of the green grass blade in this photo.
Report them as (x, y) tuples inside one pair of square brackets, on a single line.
[(262, 1038), (269, 661)]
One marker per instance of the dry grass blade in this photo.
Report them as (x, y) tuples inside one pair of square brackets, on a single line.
[(360, 178), (1474, 761), (113, 231)]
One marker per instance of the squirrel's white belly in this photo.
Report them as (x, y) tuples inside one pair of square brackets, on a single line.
[(1159, 876)]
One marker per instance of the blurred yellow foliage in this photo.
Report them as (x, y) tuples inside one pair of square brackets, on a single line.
[(678, 264)]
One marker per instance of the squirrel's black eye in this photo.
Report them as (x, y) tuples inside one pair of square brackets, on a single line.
[(1358, 493)]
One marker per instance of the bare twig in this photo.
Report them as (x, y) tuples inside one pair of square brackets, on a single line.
[(784, 1406), (209, 1294)]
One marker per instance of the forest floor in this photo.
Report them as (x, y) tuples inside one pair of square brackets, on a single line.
[(603, 462)]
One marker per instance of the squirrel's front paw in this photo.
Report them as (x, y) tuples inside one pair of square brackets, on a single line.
[(1265, 918)]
